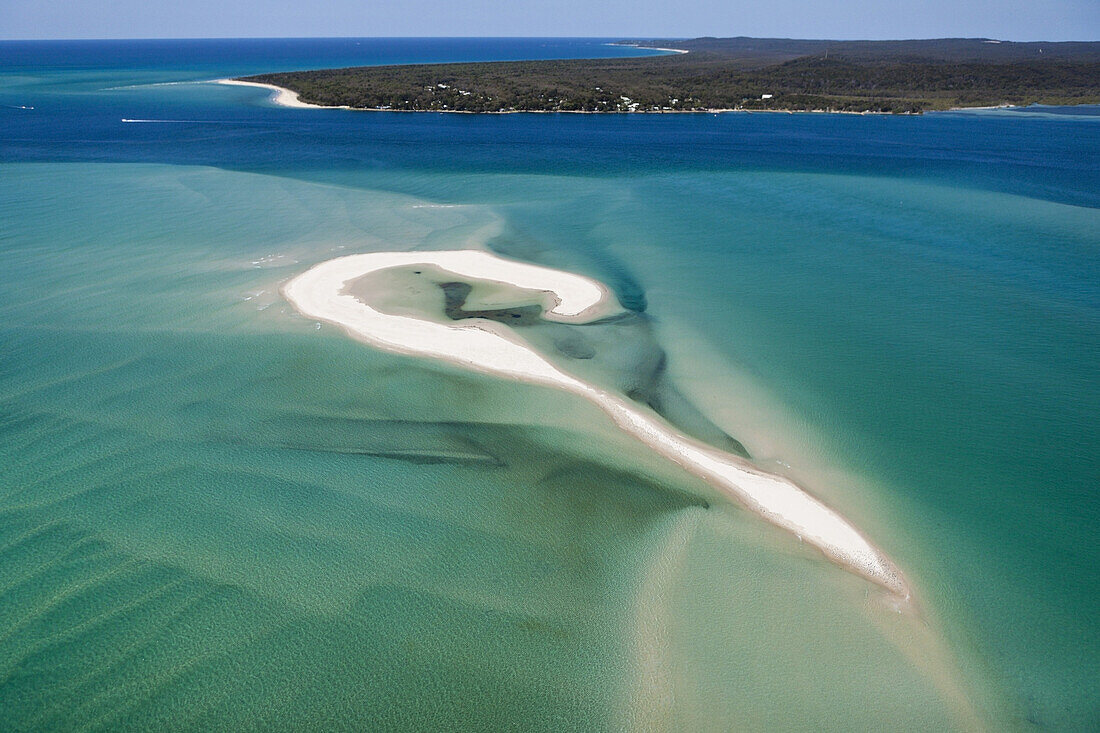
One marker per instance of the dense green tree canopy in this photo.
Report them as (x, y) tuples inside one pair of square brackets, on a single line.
[(733, 73)]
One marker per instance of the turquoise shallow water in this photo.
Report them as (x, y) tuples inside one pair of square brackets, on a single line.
[(214, 513)]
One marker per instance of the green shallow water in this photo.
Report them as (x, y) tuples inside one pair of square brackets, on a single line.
[(215, 514), (923, 355)]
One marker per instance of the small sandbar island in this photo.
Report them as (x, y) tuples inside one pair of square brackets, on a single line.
[(376, 298)]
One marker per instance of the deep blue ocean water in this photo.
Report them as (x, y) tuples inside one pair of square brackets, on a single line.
[(910, 304)]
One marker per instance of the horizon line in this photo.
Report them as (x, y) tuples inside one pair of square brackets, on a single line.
[(633, 37)]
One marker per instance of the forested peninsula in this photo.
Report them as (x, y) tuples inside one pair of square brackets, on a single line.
[(729, 74)]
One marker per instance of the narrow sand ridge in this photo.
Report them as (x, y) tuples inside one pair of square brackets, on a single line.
[(493, 348)]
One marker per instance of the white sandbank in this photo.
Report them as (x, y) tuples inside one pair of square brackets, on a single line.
[(493, 348), (650, 48), (282, 96)]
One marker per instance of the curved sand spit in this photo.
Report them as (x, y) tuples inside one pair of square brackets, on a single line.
[(281, 96), (493, 348)]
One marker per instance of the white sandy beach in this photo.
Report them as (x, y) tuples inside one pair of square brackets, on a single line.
[(281, 96), (651, 48), (493, 348)]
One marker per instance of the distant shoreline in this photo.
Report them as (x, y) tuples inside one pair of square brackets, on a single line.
[(719, 75), (283, 97), (651, 48)]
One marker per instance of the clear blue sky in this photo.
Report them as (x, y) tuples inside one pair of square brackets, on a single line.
[(1004, 19)]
